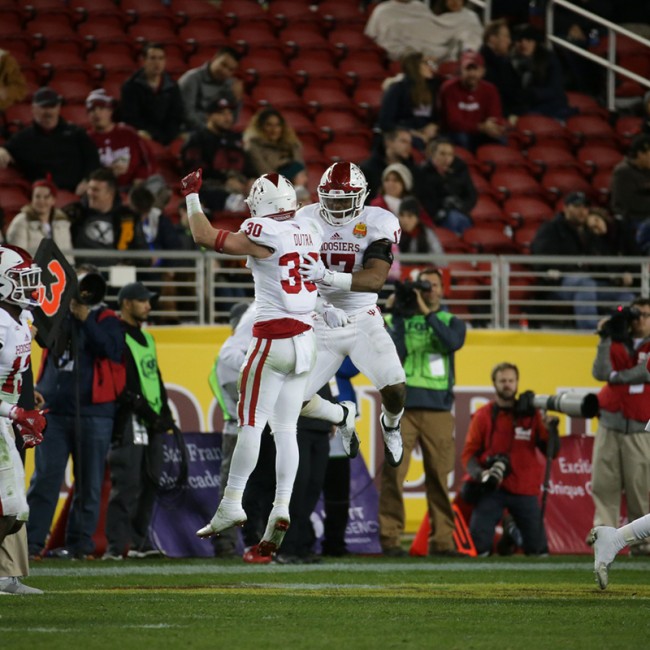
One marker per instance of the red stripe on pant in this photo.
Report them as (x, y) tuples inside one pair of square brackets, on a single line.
[(257, 380)]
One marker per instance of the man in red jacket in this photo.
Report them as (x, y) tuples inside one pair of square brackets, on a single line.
[(500, 457), (470, 107)]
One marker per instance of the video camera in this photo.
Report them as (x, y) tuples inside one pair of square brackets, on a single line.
[(91, 289), (577, 405), (618, 326), (406, 301)]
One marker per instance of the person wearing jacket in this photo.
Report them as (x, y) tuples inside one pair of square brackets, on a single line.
[(500, 457), (426, 337), (142, 419), (39, 220), (621, 455), (150, 100), (79, 381)]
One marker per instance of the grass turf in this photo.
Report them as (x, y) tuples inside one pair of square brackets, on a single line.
[(361, 603)]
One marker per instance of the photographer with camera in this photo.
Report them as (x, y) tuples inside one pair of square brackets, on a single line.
[(143, 417), (621, 455), (426, 337), (80, 377), (500, 458)]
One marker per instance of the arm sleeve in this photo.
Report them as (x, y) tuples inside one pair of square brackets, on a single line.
[(105, 338), (474, 440), (189, 87), (452, 336), (602, 366)]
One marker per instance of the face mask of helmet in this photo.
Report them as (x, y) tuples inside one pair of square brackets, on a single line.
[(272, 195), (342, 192), (20, 278)]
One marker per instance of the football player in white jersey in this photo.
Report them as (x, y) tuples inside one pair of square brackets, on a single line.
[(20, 286), (352, 268), (283, 349)]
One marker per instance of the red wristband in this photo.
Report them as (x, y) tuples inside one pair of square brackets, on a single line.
[(220, 241)]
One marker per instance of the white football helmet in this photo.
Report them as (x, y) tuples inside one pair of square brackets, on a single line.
[(342, 192), (20, 278), (272, 195)]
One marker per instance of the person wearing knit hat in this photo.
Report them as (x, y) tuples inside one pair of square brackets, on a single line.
[(396, 183)]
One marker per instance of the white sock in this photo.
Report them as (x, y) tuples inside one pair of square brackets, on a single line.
[(635, 530), (391, 420), (243, 462), (322, 409), (286, 465)]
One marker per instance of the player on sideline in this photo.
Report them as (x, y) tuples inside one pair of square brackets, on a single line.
[(352, 268), (608, 541), (20, 285), (283, 349)]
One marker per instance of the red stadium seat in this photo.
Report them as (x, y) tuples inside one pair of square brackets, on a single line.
[(586, 104), (279, 93), (103, 27), (12, 199), (497, 156), (601, 184), (558, 183), (331, 96), (489, 240), (595, 158), (589, 129), (523, 237), (481, 184), (75, 113), (524, 210), (544, 157), (451, 242), (468, 158), (512, 182), (304, 37), (627, 127), (533, 129), (346, 149), (367, 99), (487, 212)]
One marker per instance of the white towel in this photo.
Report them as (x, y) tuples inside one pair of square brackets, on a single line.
[(305, 346)]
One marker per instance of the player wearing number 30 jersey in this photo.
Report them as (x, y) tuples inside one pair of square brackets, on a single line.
[(283, 349), (355, 258)]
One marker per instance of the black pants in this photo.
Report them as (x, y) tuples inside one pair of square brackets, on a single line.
[(135, 470), (314, 450), (336, 493)]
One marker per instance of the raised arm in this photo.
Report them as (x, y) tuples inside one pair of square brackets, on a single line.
[(204, 234)]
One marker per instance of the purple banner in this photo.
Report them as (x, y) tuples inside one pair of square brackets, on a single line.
[(179, 514)]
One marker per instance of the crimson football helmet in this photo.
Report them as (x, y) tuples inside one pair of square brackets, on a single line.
[(342, 192), (272, 195), (20, 277)]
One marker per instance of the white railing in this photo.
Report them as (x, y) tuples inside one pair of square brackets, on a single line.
[(500, 292), (613, 31)]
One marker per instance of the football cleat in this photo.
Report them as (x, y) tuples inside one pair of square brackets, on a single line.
[(605, 545), (252, 556), (393, 448), (226, 516), (16, 587), (346, 429), (276, 529)]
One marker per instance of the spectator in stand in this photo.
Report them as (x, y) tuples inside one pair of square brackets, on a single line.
[(120, 148), (470, 107), (270, 142), (395, 147), (219, 150), (630, 184), (444, 187), (458, 27), (583, 75), (403, 26), (101, 222), (416, 236), (411, 101), (566, 235), (39, 220), (151, 100), (13, 86), (498, 66), (50, 145), (397, 182), (159, 235), (540, 75), (200, 86), (296, 173)]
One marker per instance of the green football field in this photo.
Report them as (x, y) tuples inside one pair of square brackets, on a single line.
[(357, 603)]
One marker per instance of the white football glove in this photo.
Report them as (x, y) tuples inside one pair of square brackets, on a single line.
[(334, 317), (313, 270)]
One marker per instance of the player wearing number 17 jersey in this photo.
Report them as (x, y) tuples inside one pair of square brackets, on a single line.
[(283, 348), (353, 266)]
